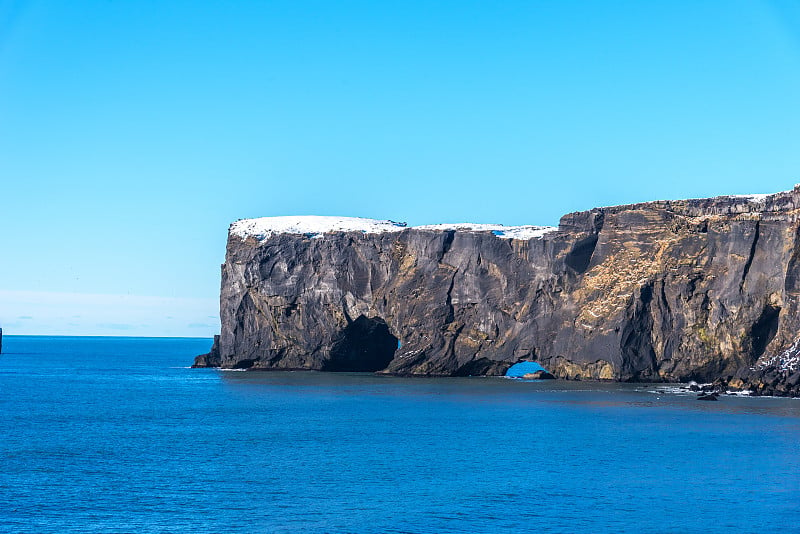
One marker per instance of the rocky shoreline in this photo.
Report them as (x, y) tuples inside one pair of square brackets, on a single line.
[(666, 291)]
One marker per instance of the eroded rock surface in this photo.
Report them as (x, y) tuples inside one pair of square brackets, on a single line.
[(702, 289)]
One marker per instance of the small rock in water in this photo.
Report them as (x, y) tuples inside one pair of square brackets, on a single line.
[(708, 397), (538, 375)]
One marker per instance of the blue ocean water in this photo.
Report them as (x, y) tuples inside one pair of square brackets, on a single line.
[(520, 369), (117, 435)]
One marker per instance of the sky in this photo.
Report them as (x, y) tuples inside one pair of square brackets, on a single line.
[(132, 133)]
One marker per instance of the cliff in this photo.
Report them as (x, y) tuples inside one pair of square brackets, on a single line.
[(702, 289)]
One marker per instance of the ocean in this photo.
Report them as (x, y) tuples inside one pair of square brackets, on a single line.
[(119, 435)]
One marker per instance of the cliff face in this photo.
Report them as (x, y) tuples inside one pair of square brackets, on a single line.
[(703, 289)]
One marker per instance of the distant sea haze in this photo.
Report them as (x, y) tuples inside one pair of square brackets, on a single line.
[(88, 314), (117, 434)]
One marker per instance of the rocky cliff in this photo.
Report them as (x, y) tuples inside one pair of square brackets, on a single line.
[(702, 289)]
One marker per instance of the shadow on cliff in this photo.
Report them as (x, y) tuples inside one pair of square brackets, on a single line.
[(365, 345)]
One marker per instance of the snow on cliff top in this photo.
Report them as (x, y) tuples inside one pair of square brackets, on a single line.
[(753, 198), (310, 224), (317, 226), (504, 232)]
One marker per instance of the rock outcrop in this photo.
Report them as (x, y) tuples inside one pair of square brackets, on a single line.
[(702, 289), (211, 358)]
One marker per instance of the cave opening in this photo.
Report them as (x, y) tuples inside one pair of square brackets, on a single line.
[(365, 345), (764, 330), (579, 258)]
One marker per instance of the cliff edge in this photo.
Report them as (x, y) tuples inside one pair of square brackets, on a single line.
[(700, 289)]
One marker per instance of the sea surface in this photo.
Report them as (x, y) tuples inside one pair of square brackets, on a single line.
[(118, 435)]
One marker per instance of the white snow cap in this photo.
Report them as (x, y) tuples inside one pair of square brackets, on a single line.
[(503, 232), (753, 198), (316, 226), (264, 227)]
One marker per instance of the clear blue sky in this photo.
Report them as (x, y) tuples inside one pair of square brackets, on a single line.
[(133, 132)]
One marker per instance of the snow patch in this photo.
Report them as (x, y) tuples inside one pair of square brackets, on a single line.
[(503, 232), (311, 225), (753, 198), (315, 226)]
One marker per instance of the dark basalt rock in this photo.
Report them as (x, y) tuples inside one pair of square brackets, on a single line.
[(703, 289), (538, 375), (210, 359), (708, 397)]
